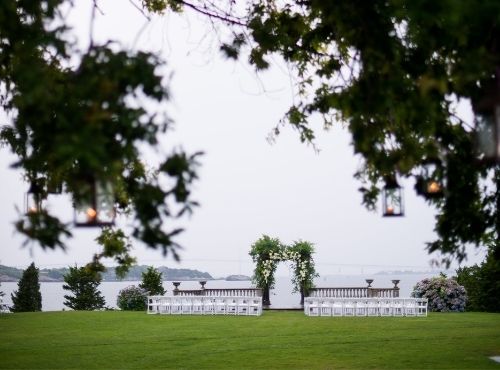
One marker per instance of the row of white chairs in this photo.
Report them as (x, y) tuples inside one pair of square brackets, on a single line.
[(204, 305), (314, 306)]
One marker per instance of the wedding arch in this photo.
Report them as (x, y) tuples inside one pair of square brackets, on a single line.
[(267, 252)]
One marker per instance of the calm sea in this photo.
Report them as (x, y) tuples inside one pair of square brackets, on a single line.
[(281, 296)]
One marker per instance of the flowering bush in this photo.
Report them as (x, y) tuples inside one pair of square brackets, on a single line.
[(132, 298), (444, 295)]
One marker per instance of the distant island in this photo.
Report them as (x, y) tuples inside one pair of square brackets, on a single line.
[(410, 272), (238, 278), (12, 274)]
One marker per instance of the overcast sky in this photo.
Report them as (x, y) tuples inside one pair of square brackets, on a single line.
[(247, 186)]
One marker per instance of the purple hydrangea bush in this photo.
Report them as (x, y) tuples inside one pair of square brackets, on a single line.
[(444, 294), (132, 298)]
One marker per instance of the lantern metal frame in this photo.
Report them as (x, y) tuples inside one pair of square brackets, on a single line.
[(392, 199), (95, 204)]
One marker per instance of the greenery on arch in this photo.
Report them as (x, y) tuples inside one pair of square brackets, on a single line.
[(267, 252)]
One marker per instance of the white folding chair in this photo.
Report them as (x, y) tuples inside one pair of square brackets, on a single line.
[(386, 308), (231, 306), (372, 307), (361, 307), (242, 306), (337, 307), (311, 306), (421, 304), (197, 306), (220, 306), (208, 306), (410, 307), (153, 304), (325, 307), (186, 305), (349, 307), (165, 305), (398, 307), (255, 306), (176, 306)]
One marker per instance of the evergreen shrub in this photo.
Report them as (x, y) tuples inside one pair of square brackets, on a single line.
[(28, 297)]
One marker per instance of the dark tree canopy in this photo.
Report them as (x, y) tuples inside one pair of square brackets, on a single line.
[(28, 297), (72, 125), (392, 71), (83, 284)]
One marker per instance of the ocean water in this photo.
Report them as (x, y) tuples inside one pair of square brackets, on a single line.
[(281, 296)]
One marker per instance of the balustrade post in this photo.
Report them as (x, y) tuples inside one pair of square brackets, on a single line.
[(176, 287), (396, 288)]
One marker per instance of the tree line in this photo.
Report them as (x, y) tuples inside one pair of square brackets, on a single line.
[(82, 284), (110, 274)]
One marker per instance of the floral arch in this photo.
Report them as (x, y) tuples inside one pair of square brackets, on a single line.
[(268, 252)]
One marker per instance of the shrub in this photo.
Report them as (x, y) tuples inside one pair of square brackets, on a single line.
[(132, 298), (444, 294)]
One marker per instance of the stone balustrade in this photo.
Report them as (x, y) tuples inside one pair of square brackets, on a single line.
[(356, 292)]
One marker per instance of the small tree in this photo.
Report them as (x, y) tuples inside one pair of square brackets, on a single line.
[(132, 298), (482, 284), (83, 283), (152, 281), (28, 297)]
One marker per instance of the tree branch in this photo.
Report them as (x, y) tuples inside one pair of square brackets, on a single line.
[(225, 18)]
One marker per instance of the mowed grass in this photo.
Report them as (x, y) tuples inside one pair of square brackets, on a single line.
[(277, 339)]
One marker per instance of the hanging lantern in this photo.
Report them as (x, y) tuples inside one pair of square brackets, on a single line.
[(54, 185), (428, 184), (34, 197), (95, 205), (487, 122), (392, 198)]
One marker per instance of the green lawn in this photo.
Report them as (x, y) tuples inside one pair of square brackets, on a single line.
[(289, 340)]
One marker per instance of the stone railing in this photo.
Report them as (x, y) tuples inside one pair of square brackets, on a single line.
[(223, 292), (357, 292)]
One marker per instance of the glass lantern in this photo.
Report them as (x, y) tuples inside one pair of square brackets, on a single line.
[(392, 199), (34, 198), (487, 121), (427, 184), (54, 185), (488, 133), (95, 207)]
